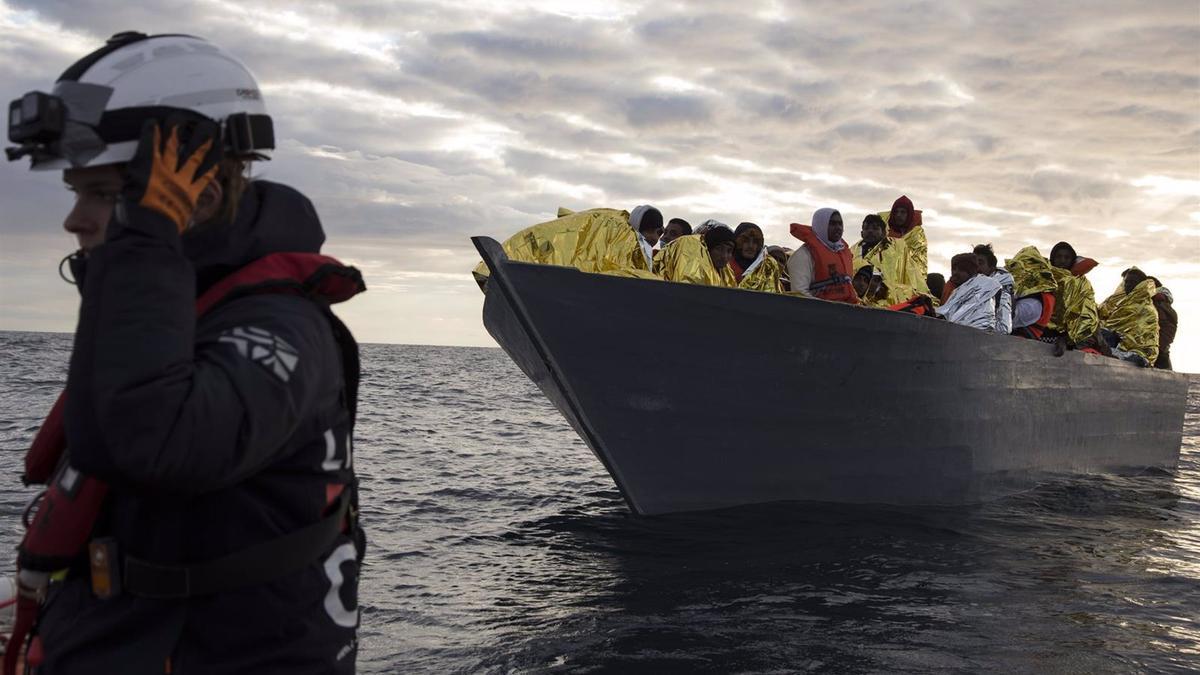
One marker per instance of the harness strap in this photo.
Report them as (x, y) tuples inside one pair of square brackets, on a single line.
[(251, 566), (837, 279)]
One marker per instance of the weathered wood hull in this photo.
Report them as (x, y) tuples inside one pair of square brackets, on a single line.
[(698, 398)]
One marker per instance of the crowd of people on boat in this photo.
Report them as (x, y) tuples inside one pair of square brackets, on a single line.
[(1031, 296)]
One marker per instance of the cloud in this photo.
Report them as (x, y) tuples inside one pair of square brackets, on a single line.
[(414, 125), (663, 109), (1055, 185)]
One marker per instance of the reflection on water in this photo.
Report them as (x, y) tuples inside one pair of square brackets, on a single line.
[(498, 544)]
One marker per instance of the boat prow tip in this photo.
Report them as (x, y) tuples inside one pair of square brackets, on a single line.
[(489, 248)]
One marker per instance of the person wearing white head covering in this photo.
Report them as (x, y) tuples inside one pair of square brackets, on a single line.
[(823, 242), (647, 222)]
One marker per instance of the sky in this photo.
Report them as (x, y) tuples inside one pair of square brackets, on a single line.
[(415, 125)]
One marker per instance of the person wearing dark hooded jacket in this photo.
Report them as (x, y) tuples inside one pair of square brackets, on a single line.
[(1168, 323), (221, 430)]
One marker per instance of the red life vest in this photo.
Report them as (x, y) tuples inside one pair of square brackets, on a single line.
[(66, 512), (1035, 330), (917, 304), (832, 277), (737, 270), (1082, 266)]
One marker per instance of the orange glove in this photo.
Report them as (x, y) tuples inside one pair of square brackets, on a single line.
[(168, 175)]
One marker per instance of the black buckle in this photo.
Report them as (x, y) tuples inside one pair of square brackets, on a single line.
[(247, 134)]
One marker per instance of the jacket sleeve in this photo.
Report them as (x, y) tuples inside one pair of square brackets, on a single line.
[(1004, 312), (149, 407), (1168, 324), (800, 267)]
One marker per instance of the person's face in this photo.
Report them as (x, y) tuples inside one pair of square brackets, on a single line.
[(872, 233), (720, 254), (749, 243), (1062, 258), (652, 235), (1132, 280), (958, 276), (671, 233), (96, 190), (985, 265), (835, 228), (861, 281), (899, 218)]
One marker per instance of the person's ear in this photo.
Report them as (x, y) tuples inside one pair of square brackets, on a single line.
[(209, 202)]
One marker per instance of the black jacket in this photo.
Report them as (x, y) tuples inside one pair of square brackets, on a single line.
[(215, 434)]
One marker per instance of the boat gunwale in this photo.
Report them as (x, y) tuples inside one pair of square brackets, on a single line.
[(495, 257)]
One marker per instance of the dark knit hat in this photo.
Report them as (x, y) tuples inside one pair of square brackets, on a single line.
[(717, 236)]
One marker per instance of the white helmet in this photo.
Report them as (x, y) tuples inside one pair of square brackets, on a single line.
[(95, 114)]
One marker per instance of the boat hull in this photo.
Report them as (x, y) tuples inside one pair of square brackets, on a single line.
[(698, 398)]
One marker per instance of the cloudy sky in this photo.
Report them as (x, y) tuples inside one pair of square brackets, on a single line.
[(414, 125)]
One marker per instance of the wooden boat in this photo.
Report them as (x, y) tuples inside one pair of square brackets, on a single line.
[(697, 397)]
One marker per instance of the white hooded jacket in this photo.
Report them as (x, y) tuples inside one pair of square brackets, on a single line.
[(635, 221)]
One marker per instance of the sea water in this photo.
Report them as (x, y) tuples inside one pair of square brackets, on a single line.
[(497, 543)]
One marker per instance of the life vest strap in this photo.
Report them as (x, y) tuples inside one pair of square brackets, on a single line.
[(836, 280), (259, 564)]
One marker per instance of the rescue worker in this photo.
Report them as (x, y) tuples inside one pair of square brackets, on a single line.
[(904, 222), (1168, 324), (987, 267), (205, 430), (601, 241), (1034, 288), (1075, 321), (822, 267), (752, 267), (973, 302), (1129, 320), (676, 228), (700, 258), (888, 257)]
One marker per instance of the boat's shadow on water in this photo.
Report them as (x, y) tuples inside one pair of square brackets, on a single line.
[(1063, 576)]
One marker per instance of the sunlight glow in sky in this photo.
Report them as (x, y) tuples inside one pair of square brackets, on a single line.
[(415, 125)]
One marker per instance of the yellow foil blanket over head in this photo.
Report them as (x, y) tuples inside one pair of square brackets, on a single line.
[(1075, 312), (686, 260), (596, 240), (1133, 317), (1031, 273), (916, 255)]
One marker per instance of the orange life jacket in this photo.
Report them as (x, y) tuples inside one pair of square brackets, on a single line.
[(832, 272), (1035, 330), (1082, 266), (918, 304)]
